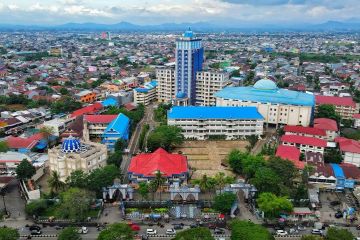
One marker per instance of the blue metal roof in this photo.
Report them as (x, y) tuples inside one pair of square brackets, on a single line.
[(275, 96), (193, 112), (338, 171), (109, 102), (119, 125), (147, 87)]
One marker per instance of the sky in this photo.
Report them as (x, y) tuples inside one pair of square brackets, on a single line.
[(226, 12)]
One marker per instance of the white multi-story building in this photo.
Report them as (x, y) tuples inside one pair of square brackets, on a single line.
[(145, 94), (165, 77), (207, 84), (58, 125), (73, 155), (228, 122), (305, 144), (350, 150), (277, 106), (344, 106)]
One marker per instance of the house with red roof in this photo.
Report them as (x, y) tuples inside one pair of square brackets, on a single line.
[(305, 144), (356, 118), (350, 150), (24, 145), (292, 154), (305, 131), (344, 106), (173, 167), (329, 125), (91, 109)]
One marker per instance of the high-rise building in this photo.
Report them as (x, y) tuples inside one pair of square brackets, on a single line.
[(207, 84), (165, 77), (189, 59)]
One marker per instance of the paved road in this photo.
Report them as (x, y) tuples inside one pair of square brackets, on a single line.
[(92, 234)]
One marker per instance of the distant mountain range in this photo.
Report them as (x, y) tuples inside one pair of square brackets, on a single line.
[(350, 25)]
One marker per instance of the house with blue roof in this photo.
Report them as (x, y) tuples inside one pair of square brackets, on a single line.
[(228, 123), (117, 129), (146, 94), (277, 106)]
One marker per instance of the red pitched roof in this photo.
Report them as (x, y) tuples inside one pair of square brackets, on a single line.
[(19, 142), (350, 171), (305, 130), (326, 124), (356, 116), (99, 118), (91, 109), (147, 164), (311, 141), (339, 101), (348, 145), (290, 153)]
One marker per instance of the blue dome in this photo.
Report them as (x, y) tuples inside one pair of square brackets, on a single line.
[(265, 84), (71, 145), (180, 95), (188, 33)]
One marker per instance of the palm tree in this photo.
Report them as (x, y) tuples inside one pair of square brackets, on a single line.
[(55, 183), (158, 181), (46, 132), (204, 183), (220, 180)]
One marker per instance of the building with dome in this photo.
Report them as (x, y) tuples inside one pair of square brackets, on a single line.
[(73, 155), (277, 106)]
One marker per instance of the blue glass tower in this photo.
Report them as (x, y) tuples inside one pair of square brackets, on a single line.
[(189, 60)]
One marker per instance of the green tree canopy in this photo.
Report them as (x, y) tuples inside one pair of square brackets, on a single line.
[(284, 169), (166, 137), (36, 207), (7, 233), (118, 231), (102, 177), (78, 178), (311, 237), (115, 159), (4, 146), (266, 179), (69, 233), (224, 201), (338, 234), (143, 190), (245, 230), (75, 203), (327, 111), (55, 183), (120, 144), (272, 205), (199, 233), (25, 170)]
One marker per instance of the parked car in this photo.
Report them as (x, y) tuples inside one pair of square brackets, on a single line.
[(193, 225), (83, 230), (36, 232), (219, 231), (281, 233), (151, 231), (170, 231), (338, 214), (317, 232)]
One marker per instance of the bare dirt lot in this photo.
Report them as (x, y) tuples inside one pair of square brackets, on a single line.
[(207, 156)]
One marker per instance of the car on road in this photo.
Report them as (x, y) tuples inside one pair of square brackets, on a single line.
[(219, 231), (281, 233), (36, 232), (317, 232), (83, 230), (193, 225), (34, 227), (178, 226), (151, 231), (338, 214), (170, 231)]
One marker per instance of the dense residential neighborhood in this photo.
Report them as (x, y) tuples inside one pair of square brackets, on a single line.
[(191, 135)]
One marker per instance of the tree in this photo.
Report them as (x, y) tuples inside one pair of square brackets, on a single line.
[(199, 233), (166, 137), (115, 159), (235, 160), (69, 233), (4, 146), (332, 155), (246, 230), (266, 180), (46, 132), (78, 178), (55, 183), (327, 111), (224, 201), (75, 203), (102, 177), (120, 144), (25, 170), (7, 233), (64, 91), (273, 206), (116, 231), (143, 190), (284, 169), (220, 180), (158, 181), (36, 207), (338, 234)]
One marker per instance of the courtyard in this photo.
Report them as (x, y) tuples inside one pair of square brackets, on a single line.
[(209, 157)]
